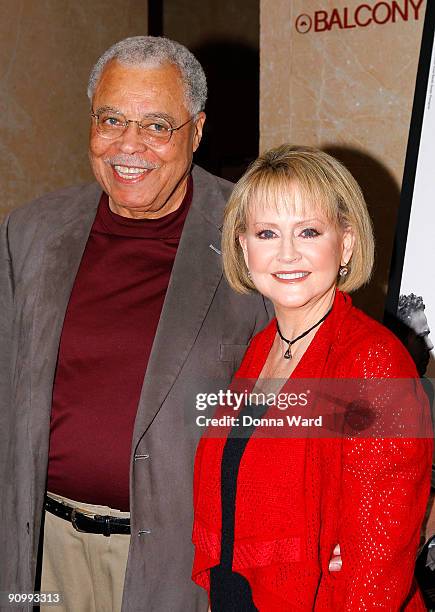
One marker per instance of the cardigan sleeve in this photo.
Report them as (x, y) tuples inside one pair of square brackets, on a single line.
[(385, 487)]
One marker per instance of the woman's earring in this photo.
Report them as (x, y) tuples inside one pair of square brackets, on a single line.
[(249, 275), (343, 270)]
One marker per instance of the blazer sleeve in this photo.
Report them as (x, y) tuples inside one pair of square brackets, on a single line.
[(385, 488), (6, 323)]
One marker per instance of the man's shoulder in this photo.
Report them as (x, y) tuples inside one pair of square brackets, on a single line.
[(57, 203), (49, 215), (210, 194), (204, 180)]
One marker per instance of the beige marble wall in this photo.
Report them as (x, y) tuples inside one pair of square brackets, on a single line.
[(347, 90), (47, 49)]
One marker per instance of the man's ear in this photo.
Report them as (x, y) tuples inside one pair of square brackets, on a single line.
[(198, 127), (348, 244)]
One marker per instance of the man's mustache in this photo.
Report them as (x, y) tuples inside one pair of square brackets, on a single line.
[(132, 161)]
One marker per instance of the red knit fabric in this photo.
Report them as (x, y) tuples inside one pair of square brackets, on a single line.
[(297, 498)]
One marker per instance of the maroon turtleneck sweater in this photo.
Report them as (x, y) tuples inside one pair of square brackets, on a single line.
[(107, 335)]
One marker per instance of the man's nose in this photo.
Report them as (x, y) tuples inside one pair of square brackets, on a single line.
[(288, 250), (429, 343), (131, 140)]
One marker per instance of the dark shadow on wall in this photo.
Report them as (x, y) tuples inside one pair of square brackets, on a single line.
[(382, 194), (155, 17), (231, 134)]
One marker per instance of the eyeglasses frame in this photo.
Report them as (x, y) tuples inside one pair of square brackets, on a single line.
[(140, 126)]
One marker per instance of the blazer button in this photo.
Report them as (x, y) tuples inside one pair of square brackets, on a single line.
[(137, 457), (142, 532)]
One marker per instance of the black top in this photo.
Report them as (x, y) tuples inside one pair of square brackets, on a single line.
[(230, 591)]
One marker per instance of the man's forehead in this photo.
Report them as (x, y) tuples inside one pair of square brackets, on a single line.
[(136, 81), (418, 322)]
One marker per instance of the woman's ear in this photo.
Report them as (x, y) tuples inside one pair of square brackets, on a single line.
[(347, 245), (243, 244)]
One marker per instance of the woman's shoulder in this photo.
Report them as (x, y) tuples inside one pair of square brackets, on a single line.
[(370, 348)]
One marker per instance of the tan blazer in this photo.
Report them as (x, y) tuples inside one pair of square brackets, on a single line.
[(201, 337)]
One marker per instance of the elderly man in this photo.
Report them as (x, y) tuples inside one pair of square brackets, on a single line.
[(413, 329), (415, 332), (113, 310)]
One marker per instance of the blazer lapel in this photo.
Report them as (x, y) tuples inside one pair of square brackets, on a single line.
[(195, 276), (61, 260)]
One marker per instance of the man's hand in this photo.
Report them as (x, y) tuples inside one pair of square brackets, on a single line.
[(429, 522), (335, 562)]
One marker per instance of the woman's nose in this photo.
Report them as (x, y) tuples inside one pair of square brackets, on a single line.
[(288, 251)]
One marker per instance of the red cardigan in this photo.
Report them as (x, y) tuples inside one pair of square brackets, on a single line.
[(296, 498)]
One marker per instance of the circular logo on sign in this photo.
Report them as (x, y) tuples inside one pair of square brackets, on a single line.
[(303, 24)]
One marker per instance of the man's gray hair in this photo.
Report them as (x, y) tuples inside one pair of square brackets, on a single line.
[(153, 51), (408, 304)]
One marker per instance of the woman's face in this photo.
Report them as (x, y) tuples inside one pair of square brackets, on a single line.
[(294, 257)]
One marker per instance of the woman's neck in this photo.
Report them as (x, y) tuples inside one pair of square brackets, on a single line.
[(295, 321)]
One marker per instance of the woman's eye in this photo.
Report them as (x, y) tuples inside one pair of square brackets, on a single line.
[(309, 232), (265, 234)]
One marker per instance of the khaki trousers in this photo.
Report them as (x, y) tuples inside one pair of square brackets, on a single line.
[(87, 569)]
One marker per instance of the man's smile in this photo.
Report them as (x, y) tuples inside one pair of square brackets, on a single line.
[(130, 173)]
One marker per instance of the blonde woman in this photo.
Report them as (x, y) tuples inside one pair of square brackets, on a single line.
[(269, 512)]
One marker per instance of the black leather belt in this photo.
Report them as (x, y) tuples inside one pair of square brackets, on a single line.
[(104, 525)]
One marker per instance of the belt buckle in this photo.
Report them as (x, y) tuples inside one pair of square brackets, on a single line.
[(106, 529), (73, 520)]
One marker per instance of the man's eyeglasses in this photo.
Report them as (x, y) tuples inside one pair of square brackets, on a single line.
[(157, 131)]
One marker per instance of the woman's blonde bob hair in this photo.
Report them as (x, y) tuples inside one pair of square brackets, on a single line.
[(317, 178)]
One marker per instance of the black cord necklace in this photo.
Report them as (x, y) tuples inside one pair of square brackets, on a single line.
[(288, 353)]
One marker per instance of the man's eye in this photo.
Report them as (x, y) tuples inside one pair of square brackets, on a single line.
[(110, 121), (309, 232), (157, 127), (265, 234)]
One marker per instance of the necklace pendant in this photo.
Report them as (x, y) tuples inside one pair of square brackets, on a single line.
[(288, 353)]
